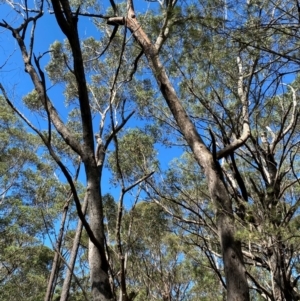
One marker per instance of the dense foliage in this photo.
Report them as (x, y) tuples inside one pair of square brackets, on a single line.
[(149, 152)]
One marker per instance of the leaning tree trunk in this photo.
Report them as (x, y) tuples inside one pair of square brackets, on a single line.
[(56, 259), (67, 281), (235, 273), (237, 286)]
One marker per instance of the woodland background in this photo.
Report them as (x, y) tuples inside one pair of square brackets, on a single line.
[(149, 150)]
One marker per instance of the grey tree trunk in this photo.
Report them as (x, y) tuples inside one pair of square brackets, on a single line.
[(101, 289), (237, 286), (84, 147)]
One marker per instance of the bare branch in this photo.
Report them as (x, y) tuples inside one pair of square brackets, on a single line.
[(260, 288), (293, 117), (164, 32), (138, 182), (242, 92), (135, 66), (110, 39), (63, 169), (39, 87)]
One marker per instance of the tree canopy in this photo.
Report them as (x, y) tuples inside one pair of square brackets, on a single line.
[(149, 150)]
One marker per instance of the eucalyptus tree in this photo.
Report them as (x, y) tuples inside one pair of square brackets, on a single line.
[(222, 80), (242, 88), (30, 199), (263, 173), (237, 287), (92, 90), (81, 142), (215, 99)]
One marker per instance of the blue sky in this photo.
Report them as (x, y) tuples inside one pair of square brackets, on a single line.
[(18, 83)]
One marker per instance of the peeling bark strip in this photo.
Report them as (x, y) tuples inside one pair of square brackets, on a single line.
[(237, 286)]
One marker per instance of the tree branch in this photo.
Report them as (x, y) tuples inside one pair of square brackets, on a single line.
[(68, 25), (39, 87), (243, 95), (63, 169)]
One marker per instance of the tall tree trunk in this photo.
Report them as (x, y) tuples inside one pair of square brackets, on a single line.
[(84, 147), (237, 286), (101, 289), (235, 273)]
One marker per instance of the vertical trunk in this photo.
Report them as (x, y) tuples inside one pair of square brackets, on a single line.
[(123, 289), (281, 283), (68, 278), (68, 22), (166, 294), (235, 273), (101, 289), (55, 264), (277, 279)]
